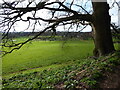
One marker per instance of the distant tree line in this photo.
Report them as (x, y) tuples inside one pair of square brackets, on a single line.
[(49, 35), (68, 35)]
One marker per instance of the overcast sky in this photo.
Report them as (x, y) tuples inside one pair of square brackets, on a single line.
[(20, 26)]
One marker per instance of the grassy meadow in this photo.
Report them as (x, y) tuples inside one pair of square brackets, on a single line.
[(55, 64), (40, 54)]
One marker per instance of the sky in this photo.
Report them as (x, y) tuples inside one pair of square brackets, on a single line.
[(20, 26)]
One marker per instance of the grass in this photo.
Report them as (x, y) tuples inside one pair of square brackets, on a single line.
[(54, 64), (45, 53), (80, 74)]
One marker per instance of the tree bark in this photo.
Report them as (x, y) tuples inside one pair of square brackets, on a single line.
[(101, 29)]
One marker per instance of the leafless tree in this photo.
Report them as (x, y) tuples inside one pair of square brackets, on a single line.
[(59, 13)]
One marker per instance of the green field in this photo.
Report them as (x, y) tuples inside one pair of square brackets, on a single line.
[(40, 54), (51, 64)]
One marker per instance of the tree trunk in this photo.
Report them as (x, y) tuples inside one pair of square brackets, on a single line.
[(102, 32)]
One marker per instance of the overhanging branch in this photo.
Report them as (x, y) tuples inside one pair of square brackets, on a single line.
[(13, 13), (79, 17), (19, 45)]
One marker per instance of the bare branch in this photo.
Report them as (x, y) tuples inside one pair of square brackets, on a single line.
[(12, 13)]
